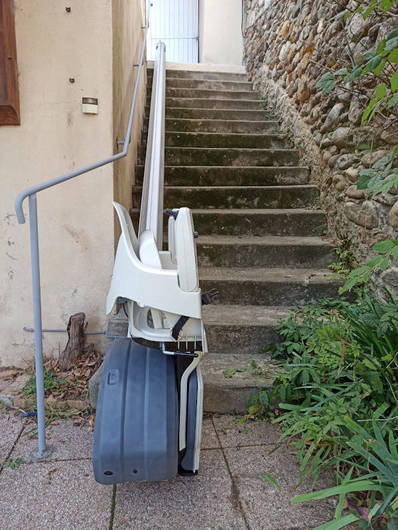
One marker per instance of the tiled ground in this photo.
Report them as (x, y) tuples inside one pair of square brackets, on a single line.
[(230, 491)]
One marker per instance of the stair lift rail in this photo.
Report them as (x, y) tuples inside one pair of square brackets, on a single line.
[(31, 195), (151, 214)]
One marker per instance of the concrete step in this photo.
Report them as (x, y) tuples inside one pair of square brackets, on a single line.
[(236, 197), (277, 222), (205, 139), (222, 104), (199, 156), (220, 84), (268, 286), (220, 126), (231, 175), (267, 251), (215, 114), (241, 329), (230, 380), (206, 76), (229, 328), (210, 93)]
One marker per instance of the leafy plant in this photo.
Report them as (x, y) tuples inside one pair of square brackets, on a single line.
[(14, 463), (51, 382), (382, 176), (385, 251), (337, 358), (336, 390), (346, 262), (378, 67), (379, 62), (373, 472)]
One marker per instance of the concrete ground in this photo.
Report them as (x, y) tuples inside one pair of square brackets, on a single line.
[(230, 491)]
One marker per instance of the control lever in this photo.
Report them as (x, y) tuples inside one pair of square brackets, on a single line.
[(210, 297)]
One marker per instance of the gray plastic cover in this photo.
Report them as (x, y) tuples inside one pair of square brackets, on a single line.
[(188, 460), (136, 426)]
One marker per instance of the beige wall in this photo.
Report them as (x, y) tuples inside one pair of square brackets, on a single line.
[(75, 218), (220, 35), (128, 21)]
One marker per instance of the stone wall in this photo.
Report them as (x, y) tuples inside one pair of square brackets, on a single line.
[(289, 45)]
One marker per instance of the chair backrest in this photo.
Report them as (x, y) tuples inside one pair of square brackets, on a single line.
[(127, 227), (182, 240)]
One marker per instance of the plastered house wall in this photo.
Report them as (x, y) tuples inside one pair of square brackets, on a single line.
[(62, 57), (220, 32)]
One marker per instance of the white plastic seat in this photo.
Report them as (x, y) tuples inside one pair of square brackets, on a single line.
[(140, 277)]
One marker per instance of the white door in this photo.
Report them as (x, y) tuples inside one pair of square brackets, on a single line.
[(176, 23)]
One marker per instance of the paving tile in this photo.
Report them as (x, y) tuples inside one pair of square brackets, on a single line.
[(209, 435), (268, 507), (60, 495), (10, 427), (65, 440), (206, 501), (233, 433)]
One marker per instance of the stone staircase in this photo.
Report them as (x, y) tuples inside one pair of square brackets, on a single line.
[(261, 233)]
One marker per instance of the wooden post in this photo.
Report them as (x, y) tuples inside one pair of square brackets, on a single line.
[(76, 339)]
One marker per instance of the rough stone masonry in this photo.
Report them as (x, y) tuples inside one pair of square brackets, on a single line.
[(289, 45)]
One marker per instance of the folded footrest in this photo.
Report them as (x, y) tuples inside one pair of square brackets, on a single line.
[(137, 420)]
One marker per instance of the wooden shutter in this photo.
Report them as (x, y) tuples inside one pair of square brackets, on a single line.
[(9, 94)]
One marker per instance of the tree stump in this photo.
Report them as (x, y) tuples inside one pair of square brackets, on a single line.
[(76, 339)]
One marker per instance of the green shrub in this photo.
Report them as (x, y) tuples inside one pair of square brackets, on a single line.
[(338, 369)]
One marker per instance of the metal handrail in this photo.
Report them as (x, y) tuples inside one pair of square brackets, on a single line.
[(31, 194), (151, 213)]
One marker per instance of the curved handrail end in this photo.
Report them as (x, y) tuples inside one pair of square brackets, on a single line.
[(18, 206)]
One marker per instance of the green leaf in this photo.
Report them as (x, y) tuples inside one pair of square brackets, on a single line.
[(384, 264), (270, 479), (394, 252), (327, 82), (391, 44), (386, 5), (381, 91), (394, 82), (368, 110), (382, 162), (384, 246), (373, 63), (381, 45), (380, 68), (372, 263), (393, 101), (360, 485), (356, 72), (338, 523), (392, 34), (363, 181), (393, 57), (370, 8)]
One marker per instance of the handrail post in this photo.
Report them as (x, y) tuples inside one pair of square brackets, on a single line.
[(37, 325)]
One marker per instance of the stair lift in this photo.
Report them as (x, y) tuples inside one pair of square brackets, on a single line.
[(150, 401)]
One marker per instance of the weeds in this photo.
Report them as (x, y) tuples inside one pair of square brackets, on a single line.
[(51, 382), (337, 390), (14, 463)]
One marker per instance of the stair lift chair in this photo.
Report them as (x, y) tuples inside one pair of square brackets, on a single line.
[(149, 409)]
